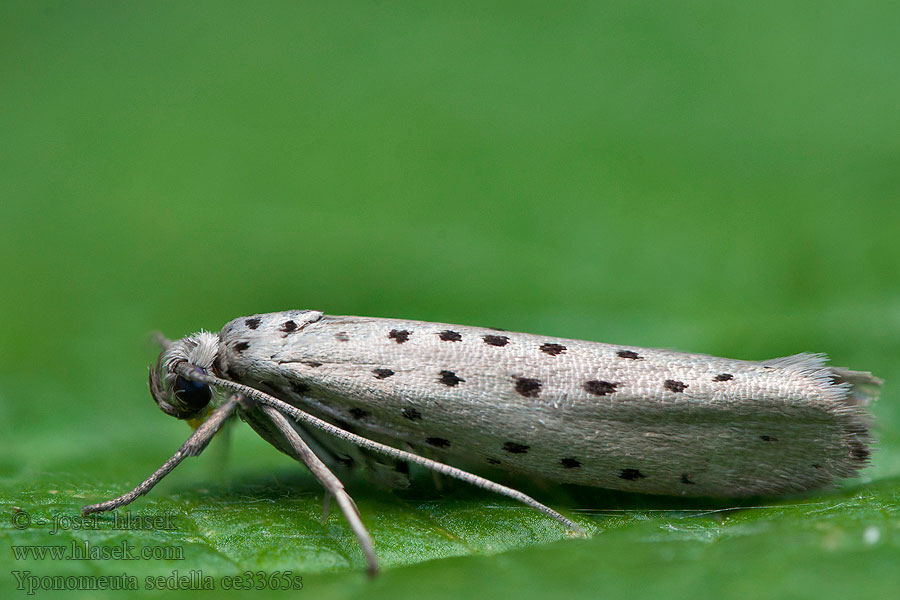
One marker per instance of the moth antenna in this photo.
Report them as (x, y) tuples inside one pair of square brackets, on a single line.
[(285, 408), (193, 446), (160, 340), (332, 484)]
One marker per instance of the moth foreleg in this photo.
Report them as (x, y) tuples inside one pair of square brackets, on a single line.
[(193, 446), (331, 483)]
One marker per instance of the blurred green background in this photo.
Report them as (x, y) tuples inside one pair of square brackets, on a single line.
[(713, 177)]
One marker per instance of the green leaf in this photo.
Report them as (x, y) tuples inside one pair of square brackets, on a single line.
[(712, 177)]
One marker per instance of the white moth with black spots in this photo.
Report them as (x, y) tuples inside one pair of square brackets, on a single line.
[(636, 419)]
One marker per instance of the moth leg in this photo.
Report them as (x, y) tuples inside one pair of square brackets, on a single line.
[(193, 446), (438, 482), (335, 452), (332, 484), (326, 506), (470, 478), (327, 454)]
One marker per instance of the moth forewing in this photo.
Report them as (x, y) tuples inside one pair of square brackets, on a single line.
[(635, 419)]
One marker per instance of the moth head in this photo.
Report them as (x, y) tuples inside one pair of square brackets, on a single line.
[(175, 394)]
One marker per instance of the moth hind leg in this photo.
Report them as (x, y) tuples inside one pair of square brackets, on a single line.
[(332, 484), (380, 470)]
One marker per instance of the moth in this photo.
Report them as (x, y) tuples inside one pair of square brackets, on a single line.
[(637, 419)]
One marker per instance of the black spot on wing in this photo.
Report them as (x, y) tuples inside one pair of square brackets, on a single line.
[(515, 448), (411, 413), (449, 378), (553, 349), (312, 363), (438, 442), (299, 388), (631, 474), (599, 388), (674, 386), (768, 438), (628, 354), (685, 479), (382, 373), (450, 336), (288, 327), (530, 388), (495, 340), (570, 463), (241, 346), (358, 413), (723, 377), (399, 335), (252, 323)]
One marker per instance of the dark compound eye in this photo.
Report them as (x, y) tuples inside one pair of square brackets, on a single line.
[(193, 394)]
